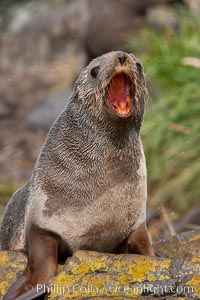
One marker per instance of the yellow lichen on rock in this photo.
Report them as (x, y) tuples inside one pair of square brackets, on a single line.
[(139, 267), (92, 285), (194, 282), (90, 274), (11, 264), (195, 238), (129, 276)]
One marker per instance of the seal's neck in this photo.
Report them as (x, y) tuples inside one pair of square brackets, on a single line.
[(97, 139), (118, 130)]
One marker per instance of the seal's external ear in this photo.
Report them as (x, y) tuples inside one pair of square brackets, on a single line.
[(139, 66), (140, 69)]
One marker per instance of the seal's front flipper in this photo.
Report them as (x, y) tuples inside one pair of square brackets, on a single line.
[(138, 242), (34, 295), (42, 248)]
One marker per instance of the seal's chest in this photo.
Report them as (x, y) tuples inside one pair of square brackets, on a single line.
[(104, 224)]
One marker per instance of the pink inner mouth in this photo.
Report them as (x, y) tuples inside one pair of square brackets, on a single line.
[(119, 94)]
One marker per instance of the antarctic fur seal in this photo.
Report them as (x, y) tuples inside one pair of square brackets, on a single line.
[(88, 189)]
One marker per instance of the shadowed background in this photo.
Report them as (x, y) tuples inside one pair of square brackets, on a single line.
[(43, 47)]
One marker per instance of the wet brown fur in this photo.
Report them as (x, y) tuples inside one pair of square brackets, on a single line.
[(88, 188)]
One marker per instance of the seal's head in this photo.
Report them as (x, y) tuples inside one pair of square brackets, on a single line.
[(113, 84)]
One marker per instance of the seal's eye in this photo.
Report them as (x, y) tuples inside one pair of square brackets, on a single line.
[(139, 67), (94, 72)]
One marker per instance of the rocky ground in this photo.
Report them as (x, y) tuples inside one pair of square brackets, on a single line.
[(91, 275), (43, 46)]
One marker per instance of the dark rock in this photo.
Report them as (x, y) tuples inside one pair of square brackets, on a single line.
[(162, 18), (181, 246), (44, 114)]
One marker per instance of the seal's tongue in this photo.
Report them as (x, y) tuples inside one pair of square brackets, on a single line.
[(119, 94)]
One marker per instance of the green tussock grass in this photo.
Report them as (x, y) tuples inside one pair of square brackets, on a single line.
[(171, 130)]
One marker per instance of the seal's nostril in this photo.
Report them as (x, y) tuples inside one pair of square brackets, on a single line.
[(121, 57)]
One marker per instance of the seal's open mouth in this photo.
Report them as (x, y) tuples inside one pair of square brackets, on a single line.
[(119, 94)]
